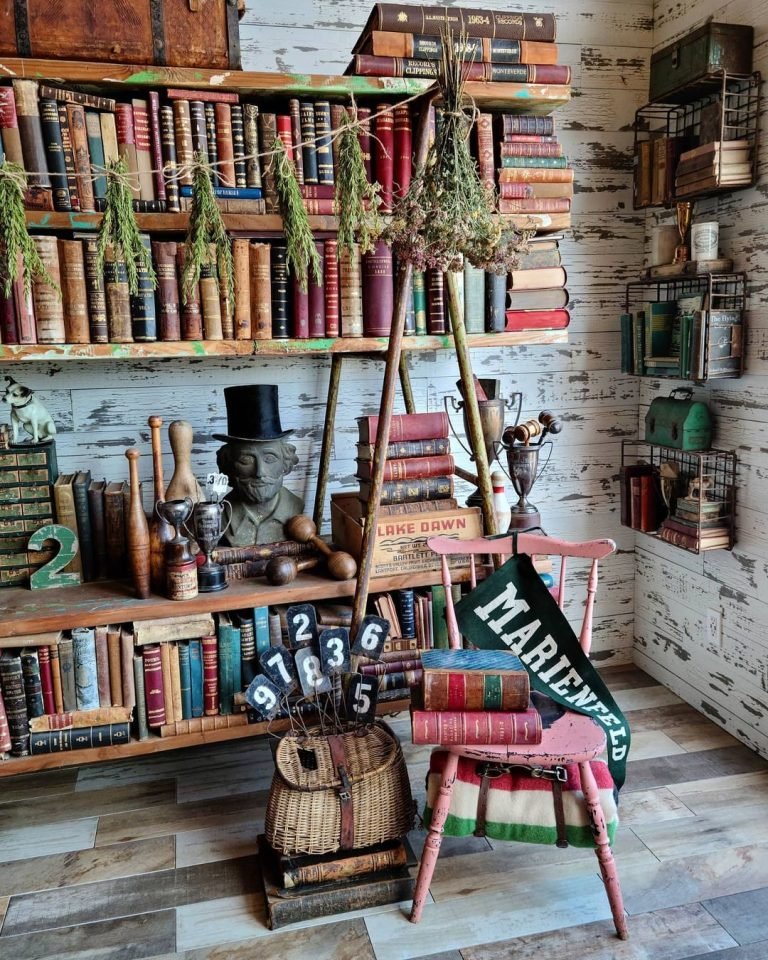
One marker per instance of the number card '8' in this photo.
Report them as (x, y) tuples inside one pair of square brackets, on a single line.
[(311, 676)]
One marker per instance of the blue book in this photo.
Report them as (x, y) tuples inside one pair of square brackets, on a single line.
[(186, 681), (96, 150), (261, 625), (229, 663), (196, 677), (86, 677), (229, 193), (460, 660)]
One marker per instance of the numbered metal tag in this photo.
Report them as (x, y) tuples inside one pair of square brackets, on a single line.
[(263, 696), (333, 644), (277, 663), (371, 637), (311, 676), (302, 625), (362, 694)]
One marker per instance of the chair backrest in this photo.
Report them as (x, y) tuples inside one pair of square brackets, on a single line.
[(530, 543)]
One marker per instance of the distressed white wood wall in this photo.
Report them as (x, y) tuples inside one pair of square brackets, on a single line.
[(102, 408), (725, 678)]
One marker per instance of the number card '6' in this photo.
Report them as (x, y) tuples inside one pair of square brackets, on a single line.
[(334, 650), (263, 696), (371, 637)]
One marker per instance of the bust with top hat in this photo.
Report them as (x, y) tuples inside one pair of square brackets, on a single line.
[(256, 457)]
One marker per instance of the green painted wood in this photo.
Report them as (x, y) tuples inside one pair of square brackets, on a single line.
[(49, 575)]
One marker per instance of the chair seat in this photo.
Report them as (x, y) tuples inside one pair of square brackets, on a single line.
[(572, 738)]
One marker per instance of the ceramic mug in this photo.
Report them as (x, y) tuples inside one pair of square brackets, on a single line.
[(704, 240)]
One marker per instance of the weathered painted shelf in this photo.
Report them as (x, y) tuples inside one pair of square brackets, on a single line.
[(30, 352), (525, 97)]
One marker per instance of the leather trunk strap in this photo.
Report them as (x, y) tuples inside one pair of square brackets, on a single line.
[(344, 791), (482, 801), (557, 801)]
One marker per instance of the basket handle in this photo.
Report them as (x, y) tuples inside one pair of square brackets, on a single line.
[(344, 793)]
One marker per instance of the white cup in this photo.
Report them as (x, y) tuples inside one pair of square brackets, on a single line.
[(704, 240)]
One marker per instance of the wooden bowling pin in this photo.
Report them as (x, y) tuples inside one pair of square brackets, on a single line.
[(137, 530), (183, 482), (160, 531)]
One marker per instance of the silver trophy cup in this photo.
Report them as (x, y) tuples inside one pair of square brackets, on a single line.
[(208, 529)]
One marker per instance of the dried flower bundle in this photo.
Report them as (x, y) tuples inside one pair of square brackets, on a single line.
[(17, 248)]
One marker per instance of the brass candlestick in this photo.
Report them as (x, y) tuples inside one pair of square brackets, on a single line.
[(683, 211)]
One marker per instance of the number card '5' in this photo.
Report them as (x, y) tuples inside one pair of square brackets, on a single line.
[(361, 696)]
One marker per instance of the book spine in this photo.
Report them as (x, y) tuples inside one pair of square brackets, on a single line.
[(126, 668), (477, 22), (102, 667), (109, 145), (251, 138), (536, 320), (337, 115), (537, 162), (384, 150), (331, 277), (267, 136), (316, 296), (514, 123), (261, 629), (5, 731), (80, 718), (175, 675), (54, 152), (243, 272), (403, 150), (33, 686), (474, 298), (9, 125), (414, 468), (280, 291), (58, 697), (86, 674), (300, 308), (527, 149), (485, 162), (297, 153), (249, 665), (59, 741), (76, 96), (49, 309), (126, 145), (191, 312), (391, 667), (419, 294), (515, 191), (406, 426), (153, 685), (143, 140), (142, 727), (405, 450), (210, 675), (226, 653), (436, 324), (67, 665), (364, 138), (447, 728), (12, 677), (209, 112), (495, 302), (377, 291), (196, 677), (225, 145), (156, 145), (69, 157), (325, 173), (409, 491), (475, 690), (84, 533), (118, 298), (539, 205), (210, 302), (399, 679), (168, 146), (350, 292), (238, 145), (285, 133), (46, 679), (182, 120), (375, 861), (74, 292), (96, 151), (535, 175), (199, 130), (169, 321), (226, 301), (31, 132), (114, 658)]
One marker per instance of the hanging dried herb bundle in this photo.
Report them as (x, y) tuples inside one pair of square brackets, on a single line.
[(17, 248), (207, 238), (301, 252), (357, 200), (448, 215), (119, 229)]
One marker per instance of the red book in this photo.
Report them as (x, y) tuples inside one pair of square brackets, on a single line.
[(320, 208), (367, 65), (527, 138), (364, 138), (318, 191), (210, 675), (296, 139), (300, 299), (406, 426), (485, 164), (515, 149), (126, 145), (403, 150), (224, 145), (46, 679), (412, 468), (317, 297), (9, 332), (153, 685), (378, 291), (156, 144), (102, 663), (390, 666), (285, 132), (384, 151), (24, 310), (536, 205), (536, 320), (435, 303), (331, 277), (191, 312), (450, 727), (515, 191)]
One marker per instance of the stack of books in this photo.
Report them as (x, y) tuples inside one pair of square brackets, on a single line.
[(697, 524), (474, 697), (536, 296), (723, 163)]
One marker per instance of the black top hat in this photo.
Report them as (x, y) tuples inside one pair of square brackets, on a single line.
[(252, 413)]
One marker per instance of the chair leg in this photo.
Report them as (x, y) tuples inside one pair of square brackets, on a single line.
[(434, 837), (603, 849)]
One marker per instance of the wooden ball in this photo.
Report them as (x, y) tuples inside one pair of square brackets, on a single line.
[(281, 570), (155, 421), (342, 566), (300, 528), (132, 453)]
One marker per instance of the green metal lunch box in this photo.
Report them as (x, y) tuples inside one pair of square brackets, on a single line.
[(679, 422), (710, 49)]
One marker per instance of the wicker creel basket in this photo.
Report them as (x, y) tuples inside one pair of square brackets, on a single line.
[(338, 792)]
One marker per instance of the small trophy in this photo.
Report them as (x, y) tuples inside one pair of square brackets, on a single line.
[(207, 525), (180, 564), (523, 464), (683, 210)]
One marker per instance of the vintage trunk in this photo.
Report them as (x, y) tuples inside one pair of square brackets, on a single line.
[(710, 49), (178, 33)]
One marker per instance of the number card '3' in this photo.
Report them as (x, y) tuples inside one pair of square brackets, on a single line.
[(333, 644)]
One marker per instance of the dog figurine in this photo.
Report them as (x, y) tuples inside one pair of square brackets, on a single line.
[(27, 412)]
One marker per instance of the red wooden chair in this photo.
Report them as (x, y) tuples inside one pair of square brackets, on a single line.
[(572, 738)]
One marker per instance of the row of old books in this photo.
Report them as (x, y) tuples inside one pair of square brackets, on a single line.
[(474, 697), (697, 523)]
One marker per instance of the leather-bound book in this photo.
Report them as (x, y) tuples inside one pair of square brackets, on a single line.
[(536, 174), (383, 152), (156, 144), (142, 727), (317, 296), (9, 330), (9, 127), (102, 666), (46, 679), (74, 292), (94, 289), (407, 449), (297, 155), (351, 292), (165, 667), (24, 310), (81, 155), (49, 309), (54, 152), (143, 141), (552, 299), (419, 292), (410, 491), (126, 666), (12, 680), (109, 137), (308, 146), (267, 136), (182, 121), (81, 738), (495, 302), (411, 468), (69, 157), (98, 527), (405, 427), (536, 319), (226, 303), (154, 693), (485, 165), (280, 292), (213, 147), (118, 298), (449, 727), (331, 277), (251, 139), (67, 670), (535, 205), (378, 291), (185, 680), (126, 146), (285, 133), (58, 697), (114, 523), (210, 302), (243, 283), (169, 321), (260, 290), (323, 133), (114, 655), (96, 151), (31, 132), (33, 687), (238, 144), (168, 144), (299, 308), (199, 129), (435, 302), (143, 310), (80, 484), (196, 676), (403, 150), (175, 671), (191, 313), (337, 114), (225, 145), (474, 298), (86, 677), (432, 20), (210, 675), (364, 139)]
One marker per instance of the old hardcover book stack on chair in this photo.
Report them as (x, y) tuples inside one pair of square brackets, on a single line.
[(506, 790)]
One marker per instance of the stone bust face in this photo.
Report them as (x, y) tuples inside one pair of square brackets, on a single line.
[(256, 468)]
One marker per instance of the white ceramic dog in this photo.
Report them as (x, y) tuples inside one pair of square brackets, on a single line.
[(27, 412)]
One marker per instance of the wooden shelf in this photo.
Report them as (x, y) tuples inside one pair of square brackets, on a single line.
[(534, 98), (30, 352), (138, 748)]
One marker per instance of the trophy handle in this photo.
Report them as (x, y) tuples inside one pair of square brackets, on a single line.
[(226, 503), (498, 445), (456, 407), (548, 443), (511, 402)]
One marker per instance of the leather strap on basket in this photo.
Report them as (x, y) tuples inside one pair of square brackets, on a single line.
[(344, 791)]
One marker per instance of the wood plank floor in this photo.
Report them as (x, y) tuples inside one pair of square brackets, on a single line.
[(156, 858)]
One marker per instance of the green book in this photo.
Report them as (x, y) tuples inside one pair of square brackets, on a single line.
[(439, 623), (419, 303), (186, 680), (196, 677), (474, 298), (261, 628), (659, 319), (638, 342), (560, 163), (627, 364), (229, 663), (96, 150)]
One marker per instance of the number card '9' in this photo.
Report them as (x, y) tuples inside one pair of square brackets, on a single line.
[(263, 696), (277, 663), (361, 696), (311, 676), (333, 644), (371, 637), (301, 620)]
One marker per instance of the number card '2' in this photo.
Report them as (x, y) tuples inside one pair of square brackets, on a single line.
[(301, 620)]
